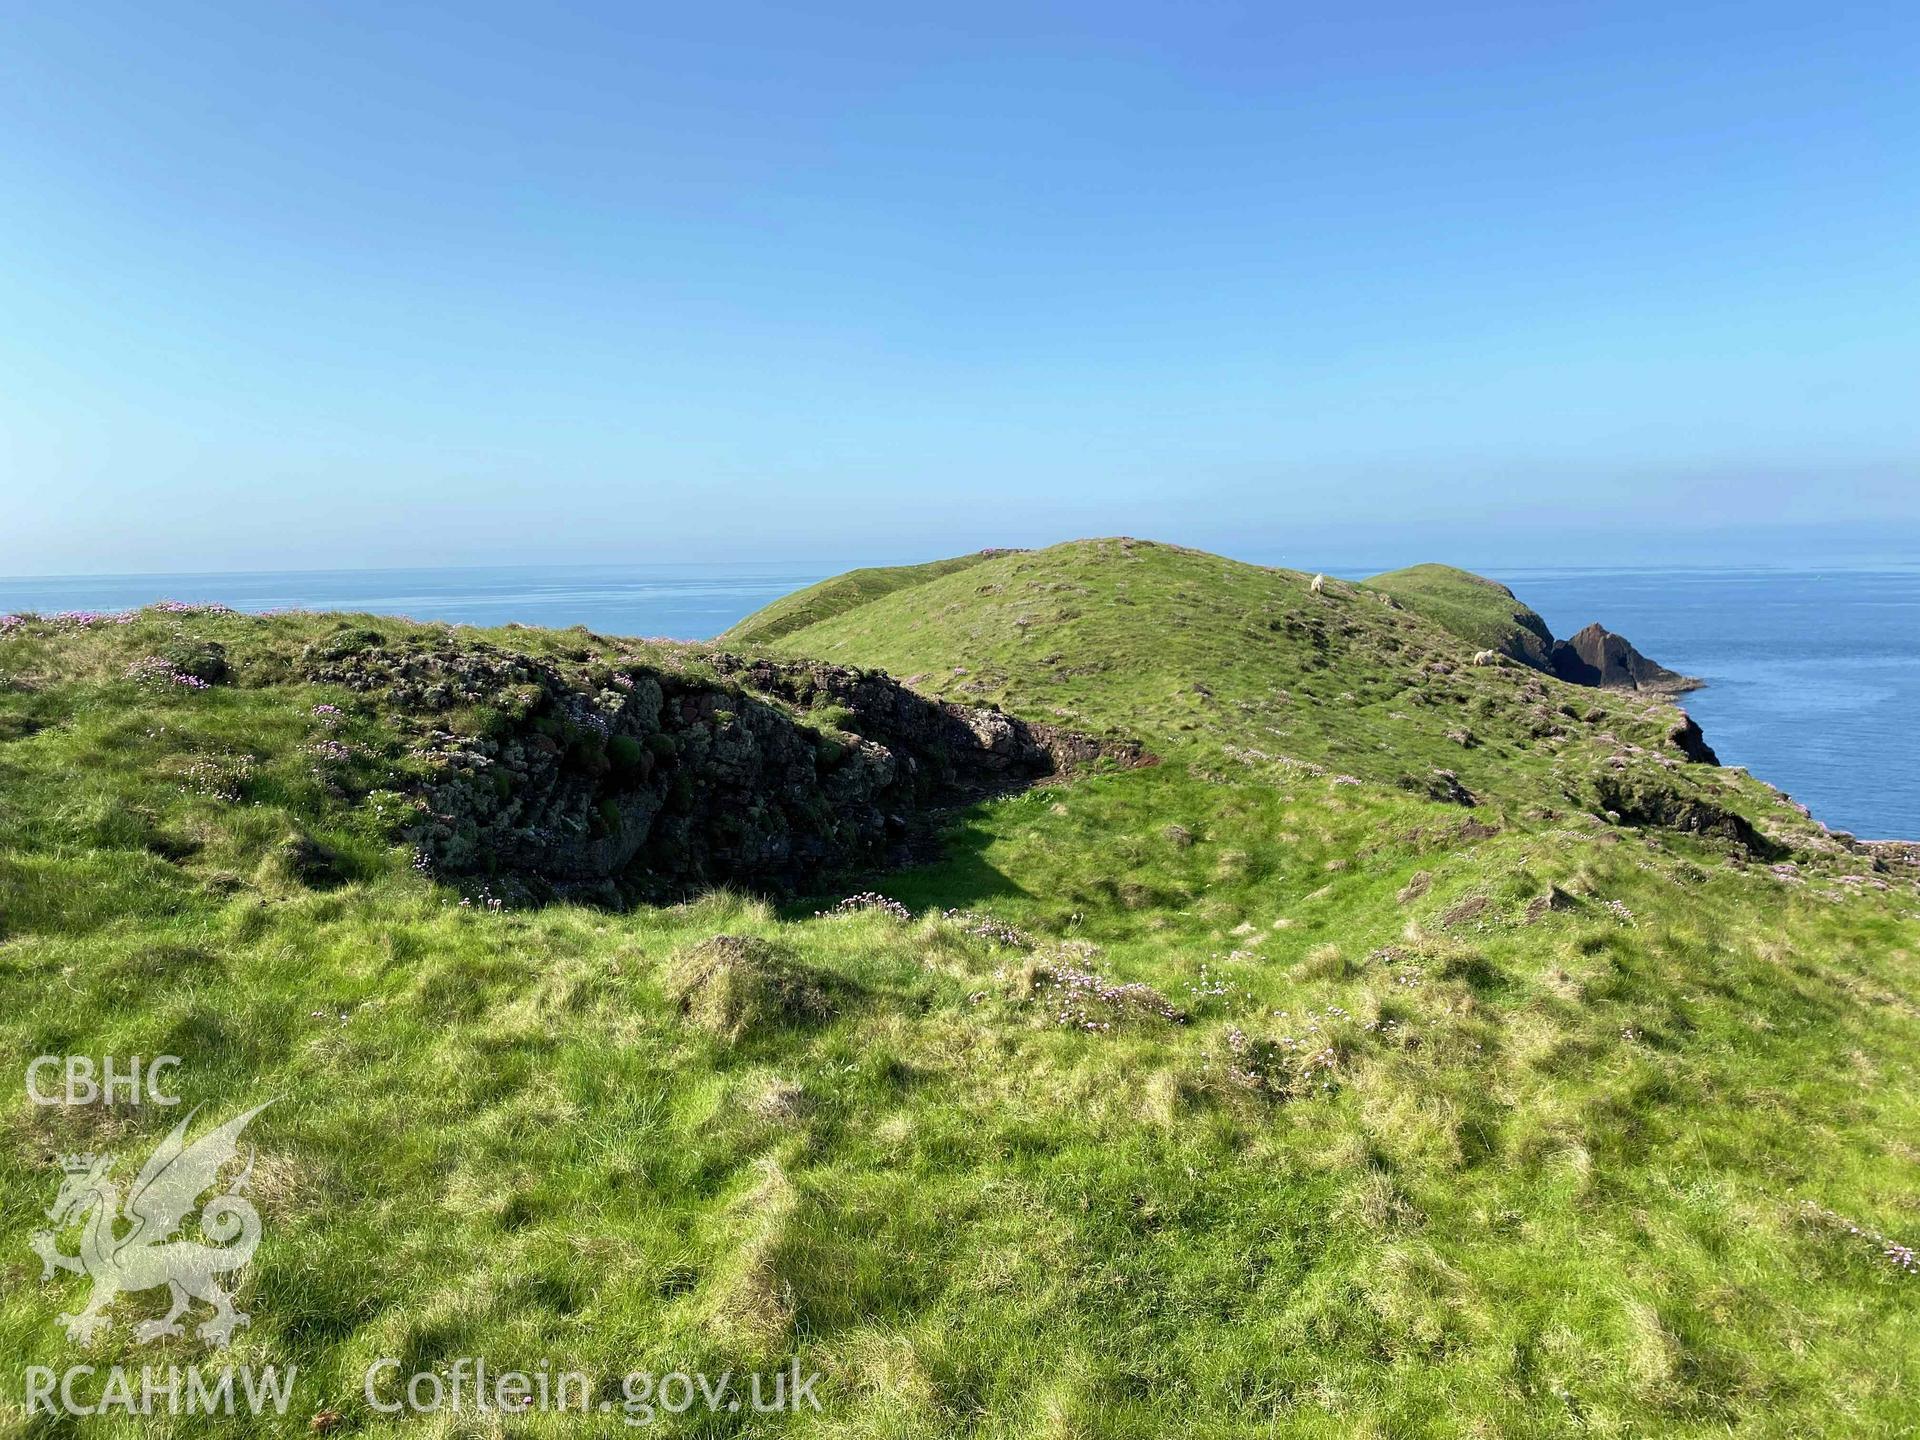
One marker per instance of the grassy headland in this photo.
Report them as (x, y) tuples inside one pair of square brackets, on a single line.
[(1481, 611), (1421, 1047)]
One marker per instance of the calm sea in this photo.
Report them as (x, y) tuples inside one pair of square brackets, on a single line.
[(676, 602), (1813, 677)]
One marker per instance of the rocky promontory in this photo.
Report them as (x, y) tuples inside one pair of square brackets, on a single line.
[(1489, 615), (1597, 656)]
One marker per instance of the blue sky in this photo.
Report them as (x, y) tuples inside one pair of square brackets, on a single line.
[(388, 285)]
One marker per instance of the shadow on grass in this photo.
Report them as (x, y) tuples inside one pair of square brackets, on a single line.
[(956, 877)]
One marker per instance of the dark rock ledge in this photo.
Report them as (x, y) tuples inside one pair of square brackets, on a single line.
[(631, 781)]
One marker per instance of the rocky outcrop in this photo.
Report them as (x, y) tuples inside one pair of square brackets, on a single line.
[(1597, 656), (1648, 799), (1491, 618), (631, 781), (960, 748), (1688, 739), (1441, 785), (1529, 641)]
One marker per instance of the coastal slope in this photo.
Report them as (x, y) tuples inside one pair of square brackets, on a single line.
[(1102, 990), (1482, 612), (1199, 655), (1487, 613)]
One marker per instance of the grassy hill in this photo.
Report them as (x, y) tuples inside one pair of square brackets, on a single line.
[(1242, 665), (838, 595), (1288, 1086), (1482, 612)]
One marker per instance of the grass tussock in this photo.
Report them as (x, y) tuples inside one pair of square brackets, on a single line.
[(733, 986)]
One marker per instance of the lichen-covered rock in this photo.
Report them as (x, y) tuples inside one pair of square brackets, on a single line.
[(1650, 798), (625, 782)]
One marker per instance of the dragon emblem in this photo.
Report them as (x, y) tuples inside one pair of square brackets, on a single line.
[(146, 1255)]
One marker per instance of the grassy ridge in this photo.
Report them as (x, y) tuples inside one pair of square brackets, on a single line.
[(838, 595), (1235, 665), (1480, 611), (1256, 1093)]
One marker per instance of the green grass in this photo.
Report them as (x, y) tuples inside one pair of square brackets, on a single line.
[(1424, 1155), (1483, 612), (1241, 669), (837, 596)]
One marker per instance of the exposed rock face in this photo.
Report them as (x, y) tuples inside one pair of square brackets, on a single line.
[(1597, 656), (633, 782), (1442, 785), (1686, 737), (1530, 642), (1646, 799), (956, 748)]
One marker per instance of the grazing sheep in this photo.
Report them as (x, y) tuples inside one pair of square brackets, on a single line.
[(1317, 584)]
